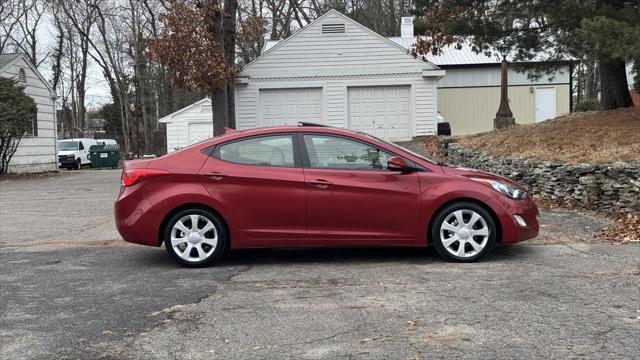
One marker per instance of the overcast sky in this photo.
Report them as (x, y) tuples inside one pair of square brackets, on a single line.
[(97, 87)]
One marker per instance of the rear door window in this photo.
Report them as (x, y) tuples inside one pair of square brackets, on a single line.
[(276, 150)]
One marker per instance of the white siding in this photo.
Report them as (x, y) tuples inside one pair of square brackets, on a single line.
[(35, 154), (310, 53), (336, 95), (425, 93), (490, 76)]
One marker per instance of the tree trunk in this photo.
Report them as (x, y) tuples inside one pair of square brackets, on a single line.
[(614, 89), (229, 41), (220, 110), (591, 85), (219, 101)]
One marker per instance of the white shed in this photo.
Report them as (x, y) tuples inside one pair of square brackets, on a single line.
[(336, 71), (189, 125), (37, 149)]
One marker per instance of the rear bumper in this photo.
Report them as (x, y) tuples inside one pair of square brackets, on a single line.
[(512, 232), (134, 221)]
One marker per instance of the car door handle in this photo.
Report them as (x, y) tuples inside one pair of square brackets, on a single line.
[(320, 183), (215, 175)]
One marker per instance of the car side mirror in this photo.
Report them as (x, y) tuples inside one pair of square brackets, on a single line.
[(396, 163), (81, 147)]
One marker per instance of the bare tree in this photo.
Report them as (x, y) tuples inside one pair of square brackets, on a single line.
[(24, 21)]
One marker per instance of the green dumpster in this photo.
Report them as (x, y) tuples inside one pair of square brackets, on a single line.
[(104, 156)]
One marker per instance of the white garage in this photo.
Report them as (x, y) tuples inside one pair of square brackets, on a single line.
[(189, 125), (289, 106), (337, 72)]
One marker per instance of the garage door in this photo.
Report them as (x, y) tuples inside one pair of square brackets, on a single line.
[(199, 131), (289, 106), (382, 111)]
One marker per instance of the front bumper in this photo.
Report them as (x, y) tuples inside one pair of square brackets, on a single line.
[(512, 231), (66, 161)]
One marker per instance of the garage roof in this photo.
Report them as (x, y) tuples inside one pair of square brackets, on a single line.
[(7, 58), (169, 118)]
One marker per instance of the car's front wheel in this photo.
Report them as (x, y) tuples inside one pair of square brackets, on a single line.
[(463, 231), (195, 237)]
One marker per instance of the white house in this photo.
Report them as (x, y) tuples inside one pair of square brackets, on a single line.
[(189, 125), (37, 150), (468, 96), (337, 72)]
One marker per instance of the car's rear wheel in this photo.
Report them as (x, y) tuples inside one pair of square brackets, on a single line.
[(463, 231), (195, 237)]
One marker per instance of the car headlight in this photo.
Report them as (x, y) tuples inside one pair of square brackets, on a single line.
[(504, 188)]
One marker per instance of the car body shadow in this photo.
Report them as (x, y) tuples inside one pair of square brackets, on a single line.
[(329, 255), (349, 255)]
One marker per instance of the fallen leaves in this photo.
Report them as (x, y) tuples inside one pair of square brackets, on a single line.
[(433, 149), (595, 137), (625, 230)]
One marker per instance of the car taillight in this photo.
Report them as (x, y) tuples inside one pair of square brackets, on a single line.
[(133, 176)]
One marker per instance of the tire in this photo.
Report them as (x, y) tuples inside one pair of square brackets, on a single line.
[(477, 238), (78, 164), (204, 248)]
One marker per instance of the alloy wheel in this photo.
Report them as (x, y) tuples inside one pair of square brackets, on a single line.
[(464, 233), (194, 238)]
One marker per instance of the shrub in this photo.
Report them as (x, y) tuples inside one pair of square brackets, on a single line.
[(587, 105), (15, 109)]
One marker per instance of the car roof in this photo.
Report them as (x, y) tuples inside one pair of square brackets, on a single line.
[(304, 127)]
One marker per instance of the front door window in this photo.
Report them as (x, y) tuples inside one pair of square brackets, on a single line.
[(332, 152)]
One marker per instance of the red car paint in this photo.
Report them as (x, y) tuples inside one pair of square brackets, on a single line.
[(303, 207)]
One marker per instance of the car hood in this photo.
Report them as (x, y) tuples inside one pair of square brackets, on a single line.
[(468, 172), (66, 152)]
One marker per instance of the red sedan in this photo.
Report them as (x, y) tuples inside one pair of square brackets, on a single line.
[(314, 186)]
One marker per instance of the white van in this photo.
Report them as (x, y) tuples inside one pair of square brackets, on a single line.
[(74, 153), (107, 142)]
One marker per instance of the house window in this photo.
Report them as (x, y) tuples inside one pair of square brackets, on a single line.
[(22, 76), (32, 124)]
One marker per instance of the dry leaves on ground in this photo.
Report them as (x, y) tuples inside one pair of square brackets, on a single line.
[(433, 149), (626, 228), (601, 137)]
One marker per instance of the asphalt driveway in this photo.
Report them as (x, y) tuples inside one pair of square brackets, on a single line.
[(71, 288)]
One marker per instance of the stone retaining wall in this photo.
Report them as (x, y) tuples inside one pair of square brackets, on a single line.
[(596, 187)]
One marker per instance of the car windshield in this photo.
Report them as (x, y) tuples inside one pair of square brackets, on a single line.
[(435, 162), (67, 145)]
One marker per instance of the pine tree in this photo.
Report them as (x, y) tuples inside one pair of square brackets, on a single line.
[(607, 31)]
